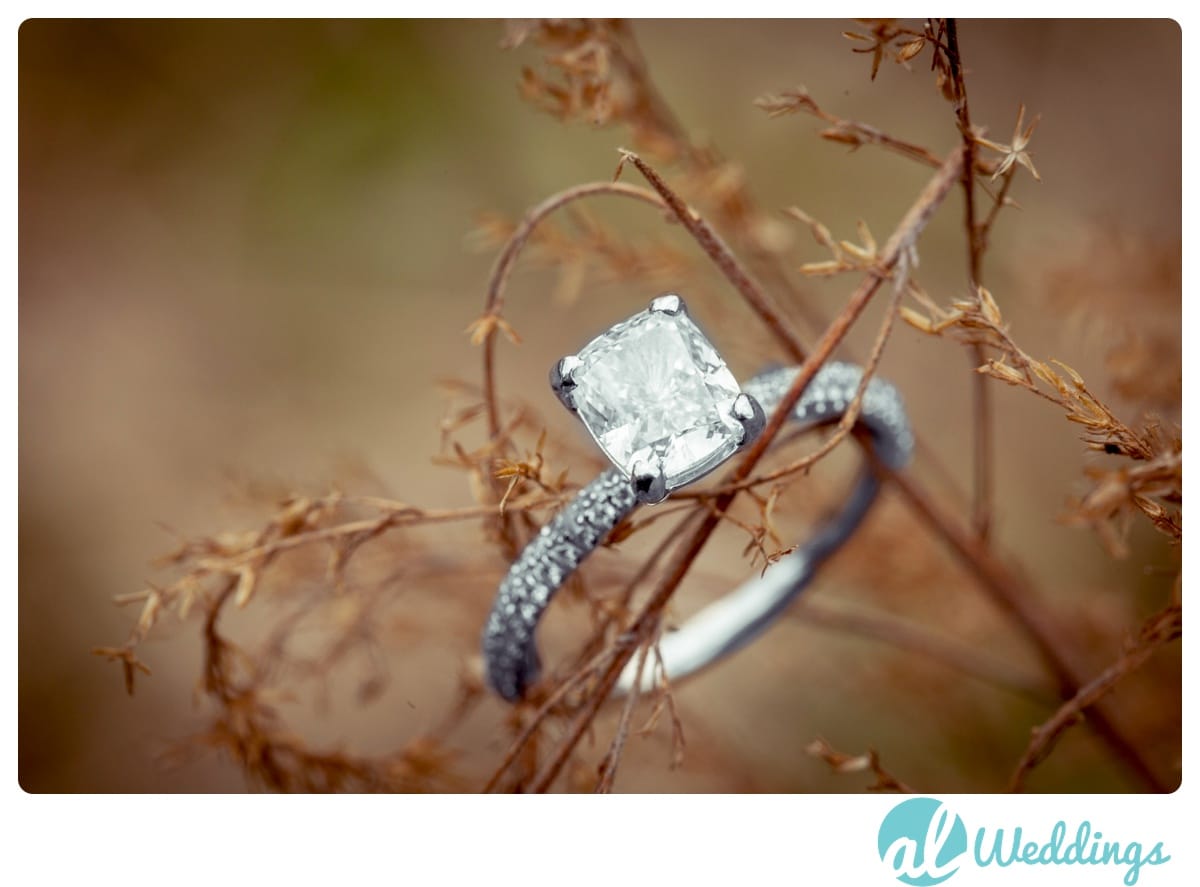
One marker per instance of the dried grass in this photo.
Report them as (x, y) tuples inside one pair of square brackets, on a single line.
[(301, 564)]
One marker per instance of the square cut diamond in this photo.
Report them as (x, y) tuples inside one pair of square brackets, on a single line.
[(653, 390)]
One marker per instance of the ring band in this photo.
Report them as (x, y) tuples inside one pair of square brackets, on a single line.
[(509, 648)]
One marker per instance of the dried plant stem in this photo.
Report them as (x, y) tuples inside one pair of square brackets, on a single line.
[(981, 514), (856, 134), (543, 711), (608, 767), (846, 424), (736, 207), (847, 132), (899, 244), (400, 515), (839, 762), (1160, 629), (976, 245), (504, 265), (962, 111), (914, 638), (216, 681), (1013, 595), (985, 227), (620, 610), (722, 256)]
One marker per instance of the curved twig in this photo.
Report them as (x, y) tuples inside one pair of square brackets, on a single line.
[(508, 257)]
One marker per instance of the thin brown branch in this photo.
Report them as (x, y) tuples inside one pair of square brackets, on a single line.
[(844, 131), (981, 395), (962, 112), (617, 612), (985, 227), (665, 702), (1160, 629), (508, 256), (535, 721), (716, 248), (593, 652), (981, 413), (914, 638), (850, 417), (1014, 596), (403, 515), (899, 244), (608, 767), (839, 762)]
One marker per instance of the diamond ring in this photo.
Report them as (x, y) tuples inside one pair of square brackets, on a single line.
[(663, 406)]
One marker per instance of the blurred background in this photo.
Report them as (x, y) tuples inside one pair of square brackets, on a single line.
[(248, 256)]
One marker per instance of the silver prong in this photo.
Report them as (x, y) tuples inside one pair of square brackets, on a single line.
[(668, 304), (649, 482), (749, 413), (562, 380)]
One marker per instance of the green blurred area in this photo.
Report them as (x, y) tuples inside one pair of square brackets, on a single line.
[(244, 253)]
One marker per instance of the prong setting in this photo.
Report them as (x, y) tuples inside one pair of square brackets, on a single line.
[(562, 380), (649, 482), (668, 304), (749, 414)]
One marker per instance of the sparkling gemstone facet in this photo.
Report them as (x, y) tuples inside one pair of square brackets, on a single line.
[(653, 390)]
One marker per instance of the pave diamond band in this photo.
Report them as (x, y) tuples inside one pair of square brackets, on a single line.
[(663, 406), (509, 650)]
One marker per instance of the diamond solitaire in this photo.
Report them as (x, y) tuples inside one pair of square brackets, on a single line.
[(658, 399)]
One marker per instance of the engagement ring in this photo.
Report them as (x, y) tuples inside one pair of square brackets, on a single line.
[(663, 406)]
